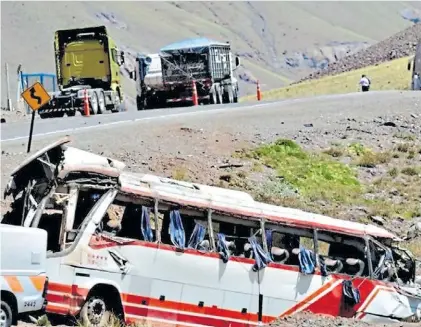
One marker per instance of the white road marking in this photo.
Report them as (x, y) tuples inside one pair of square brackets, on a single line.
[(193, 113)]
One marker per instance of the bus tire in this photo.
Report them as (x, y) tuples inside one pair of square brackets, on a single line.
[(95, 312), (6, 314), (103, 305)]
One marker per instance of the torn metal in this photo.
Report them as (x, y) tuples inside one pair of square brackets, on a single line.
[(101, 219)]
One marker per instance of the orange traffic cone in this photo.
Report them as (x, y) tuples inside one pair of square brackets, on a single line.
[(86, 104), (194, 96), (259, 95)]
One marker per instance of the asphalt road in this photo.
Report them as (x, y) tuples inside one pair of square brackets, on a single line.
[(300, 110), (19, 130)]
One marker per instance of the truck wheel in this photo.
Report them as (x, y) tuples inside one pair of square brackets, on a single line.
[(58, 114), (219, 95), (44, 115), (213, 98), (117, 103), (6, 315), (230, 95), (140, 103), (101, 102), (71, 113), (95, 312), (93, 104)]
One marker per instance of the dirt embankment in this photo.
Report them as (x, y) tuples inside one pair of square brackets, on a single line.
[(400, 45)]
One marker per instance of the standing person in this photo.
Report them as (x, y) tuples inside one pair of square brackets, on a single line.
[(416, 83), (365, 83)]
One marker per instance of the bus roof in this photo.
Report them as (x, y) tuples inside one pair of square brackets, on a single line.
[(229, 202), (239, 203)]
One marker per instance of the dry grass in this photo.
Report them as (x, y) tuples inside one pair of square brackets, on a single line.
[(372, 159), (180, 174), (392, 75)]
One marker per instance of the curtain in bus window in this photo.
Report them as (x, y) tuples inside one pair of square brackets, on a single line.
[(177, 234), (268, 233), (222, 248), (350, 293), (197, 236), (262, 258), (307, 261), (323, 269), (146, 225)]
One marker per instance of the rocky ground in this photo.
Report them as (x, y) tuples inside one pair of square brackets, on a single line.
[(303, 319), (308, 320), (12, 116), (400, 45)]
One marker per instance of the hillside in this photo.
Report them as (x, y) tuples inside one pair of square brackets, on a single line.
[(278, 41), (401, 44)]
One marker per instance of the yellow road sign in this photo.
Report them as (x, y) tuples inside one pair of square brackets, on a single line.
[(36, 96)]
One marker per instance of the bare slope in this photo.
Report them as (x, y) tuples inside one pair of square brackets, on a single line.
[(401, 44), (279, 41)]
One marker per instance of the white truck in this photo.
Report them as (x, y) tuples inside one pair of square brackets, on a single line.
[(23, 272), (168, 76)]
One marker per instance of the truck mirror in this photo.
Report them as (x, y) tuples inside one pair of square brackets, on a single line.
[(409, 65), (131, 75), (121, 57), (237, 61)]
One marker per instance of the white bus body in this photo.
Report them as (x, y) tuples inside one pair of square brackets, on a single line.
[(106, 256)]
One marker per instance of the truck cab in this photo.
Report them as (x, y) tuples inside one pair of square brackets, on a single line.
[(87, 66), (23, 272)]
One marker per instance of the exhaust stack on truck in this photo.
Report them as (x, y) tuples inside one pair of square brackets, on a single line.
[(208, 63), (86, 59)]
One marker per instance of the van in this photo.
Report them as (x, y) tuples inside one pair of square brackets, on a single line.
[(24, 281)]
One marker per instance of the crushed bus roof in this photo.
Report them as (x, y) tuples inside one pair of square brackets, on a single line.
[(227, 201)]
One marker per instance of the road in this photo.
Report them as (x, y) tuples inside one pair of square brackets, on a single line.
[(19, 130), (308, 108)]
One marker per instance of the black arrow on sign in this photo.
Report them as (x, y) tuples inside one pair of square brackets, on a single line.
[(35, 97)]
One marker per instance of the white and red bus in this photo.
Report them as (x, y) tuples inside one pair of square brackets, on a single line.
[(152, 249)]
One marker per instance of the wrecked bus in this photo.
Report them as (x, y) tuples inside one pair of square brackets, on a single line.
[(159, 250)]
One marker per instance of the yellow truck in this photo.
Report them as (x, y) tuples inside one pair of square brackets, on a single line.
[(87, 64)]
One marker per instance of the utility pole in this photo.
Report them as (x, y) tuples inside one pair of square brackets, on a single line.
[(9, 101)]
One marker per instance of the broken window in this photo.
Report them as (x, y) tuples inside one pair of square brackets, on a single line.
[(383, 262), (286, 243), (63, 215), (342, 253), (232, 236), (185, 229)]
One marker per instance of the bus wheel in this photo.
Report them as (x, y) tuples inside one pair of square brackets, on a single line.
[(6, 316), (95, 312)]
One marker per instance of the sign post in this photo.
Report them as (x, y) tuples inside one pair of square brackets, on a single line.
[(35, 96)]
